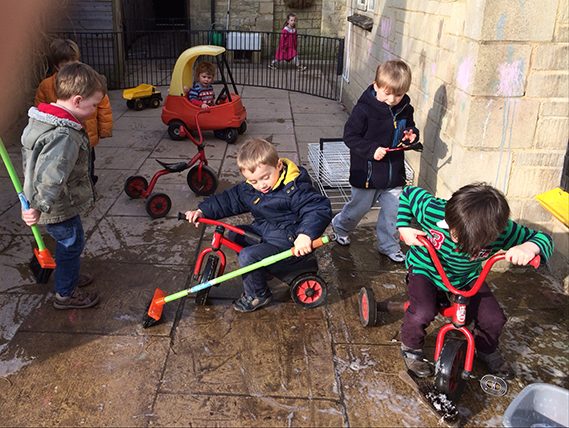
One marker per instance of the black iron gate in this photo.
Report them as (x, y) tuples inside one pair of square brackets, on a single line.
[(128, 59)]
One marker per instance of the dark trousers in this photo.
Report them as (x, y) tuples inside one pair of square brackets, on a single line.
[(94, 178), (255, 282), (483, 308)]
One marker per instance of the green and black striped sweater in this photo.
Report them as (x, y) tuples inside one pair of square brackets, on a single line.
[(460, 268)]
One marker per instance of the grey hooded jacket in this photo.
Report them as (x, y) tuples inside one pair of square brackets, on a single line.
[(55, 156)]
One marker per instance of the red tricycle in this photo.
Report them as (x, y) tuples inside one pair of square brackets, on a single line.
[(307, 288), (201, 178), (454, 356)]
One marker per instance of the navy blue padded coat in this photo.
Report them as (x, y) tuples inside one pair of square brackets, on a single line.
[(292, 207)]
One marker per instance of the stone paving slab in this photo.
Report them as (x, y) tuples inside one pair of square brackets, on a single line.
[(209, 410), (221, 351), (81, 379)]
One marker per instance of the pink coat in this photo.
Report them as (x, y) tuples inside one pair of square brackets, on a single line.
[(287, 45)]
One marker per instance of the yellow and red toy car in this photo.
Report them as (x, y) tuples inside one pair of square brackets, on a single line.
[(227, 118)]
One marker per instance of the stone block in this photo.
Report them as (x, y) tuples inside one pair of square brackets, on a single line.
[(550, 159), (534, 212), (501, 20), (457, 19), (561, 34), (528, 182), (548, 85), (515, 209), (552, 133), (445, 65), (494, 123), (555, 108), (551, 57), (266, 8)]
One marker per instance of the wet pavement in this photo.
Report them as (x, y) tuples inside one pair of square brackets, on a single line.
[(209, 365)]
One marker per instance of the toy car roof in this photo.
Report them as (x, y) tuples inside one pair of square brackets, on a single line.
[(183, 69)]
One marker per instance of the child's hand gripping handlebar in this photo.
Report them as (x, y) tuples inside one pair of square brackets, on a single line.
[(497, 257)]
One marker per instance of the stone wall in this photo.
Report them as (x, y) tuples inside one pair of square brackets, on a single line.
[(490, 91)]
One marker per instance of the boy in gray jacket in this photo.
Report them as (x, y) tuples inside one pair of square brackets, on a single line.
[(57, 181)]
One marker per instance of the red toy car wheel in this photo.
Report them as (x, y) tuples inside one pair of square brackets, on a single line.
[(368, 307), (134, 186), (242, 128), (207, 185), (308, 290), (174, 130), (158, 205), (231, 135)]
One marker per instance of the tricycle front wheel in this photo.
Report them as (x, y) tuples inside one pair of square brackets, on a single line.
[(208, 274), (208, 183), (449, 369)]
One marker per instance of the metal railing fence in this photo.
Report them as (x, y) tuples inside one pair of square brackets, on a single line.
[(128, 59)]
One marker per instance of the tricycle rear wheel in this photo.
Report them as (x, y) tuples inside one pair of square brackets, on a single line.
[(368, 307), (134, 186), (207, 185), (158, 205), (308, 290)]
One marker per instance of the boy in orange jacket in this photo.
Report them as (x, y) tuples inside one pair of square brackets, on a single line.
[(100, 123)]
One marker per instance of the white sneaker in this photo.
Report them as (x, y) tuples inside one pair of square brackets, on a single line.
[(397, 257)]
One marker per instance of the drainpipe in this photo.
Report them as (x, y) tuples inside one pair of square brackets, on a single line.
[(227, 23), (212, 11)]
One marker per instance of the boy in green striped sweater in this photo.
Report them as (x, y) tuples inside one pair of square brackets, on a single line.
[(466, 230)]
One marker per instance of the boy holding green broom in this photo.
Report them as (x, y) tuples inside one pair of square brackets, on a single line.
[(57, 183)]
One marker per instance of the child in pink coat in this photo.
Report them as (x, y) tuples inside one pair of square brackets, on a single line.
[(287, 45)]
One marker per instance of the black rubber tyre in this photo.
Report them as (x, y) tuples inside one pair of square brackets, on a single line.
[(154, 103), (242, 128), (308, 290), (231, 135), (449, 369), (208, 184), (139, 105), (174, 130), (130, 104), (134, 186), (158, 205), (368, 307), (209, 272)]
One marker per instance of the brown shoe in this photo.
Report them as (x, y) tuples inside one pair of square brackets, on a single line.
[(77, 300), (84, 279), (416, 362)]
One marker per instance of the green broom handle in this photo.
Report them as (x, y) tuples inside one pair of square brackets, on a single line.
[(262, 263), (19, 190)]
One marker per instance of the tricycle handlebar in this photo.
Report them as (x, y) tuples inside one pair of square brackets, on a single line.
[(184, 132), (247, 234), (496, 257)]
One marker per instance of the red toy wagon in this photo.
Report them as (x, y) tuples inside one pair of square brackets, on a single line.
[(227, 118)]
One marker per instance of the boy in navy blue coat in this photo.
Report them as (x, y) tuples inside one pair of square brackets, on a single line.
[(382, 118), (287, 209)]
